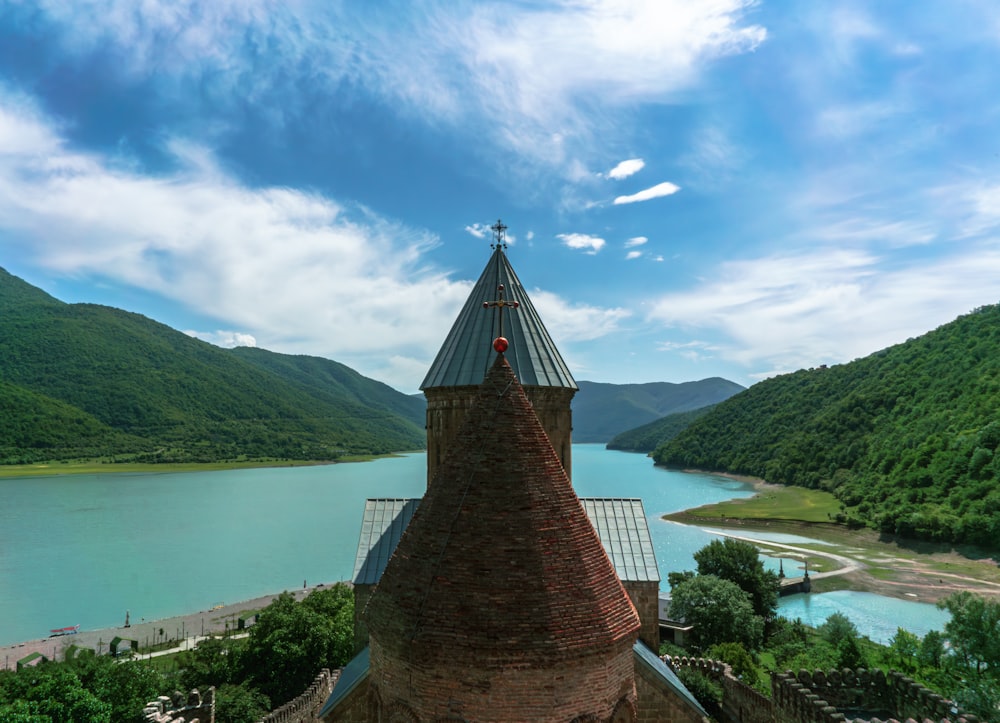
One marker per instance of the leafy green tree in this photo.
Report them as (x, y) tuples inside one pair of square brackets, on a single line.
[(974, 629), (739, 562), (291, 642), (240, 704), (718, 610), (904, 647), (931, 651), (740, 661), (838, 627), (210, 663), (53, 692)]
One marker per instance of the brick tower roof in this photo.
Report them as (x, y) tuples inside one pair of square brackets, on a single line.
[(500, 564), (465, 355)]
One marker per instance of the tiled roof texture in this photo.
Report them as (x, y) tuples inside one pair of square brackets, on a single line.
[(500, 562), (467, 353)]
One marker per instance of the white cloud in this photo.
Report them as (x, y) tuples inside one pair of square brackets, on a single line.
[(658, 191), (479, 230), (636, 241), (592, 244), (633, 255), (526, 73), (626, 168), (830, 306), (224, 338), (574, 322), (296, 271)]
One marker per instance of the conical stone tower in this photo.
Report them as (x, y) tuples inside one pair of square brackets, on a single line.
[(499, 603), (451, 383)]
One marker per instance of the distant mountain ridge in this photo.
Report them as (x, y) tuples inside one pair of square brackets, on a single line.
[(82, 380), (650, 436), (601, 411), (907, 438)]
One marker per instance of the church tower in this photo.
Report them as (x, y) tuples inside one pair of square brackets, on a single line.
[(497, 300), (499, 603)]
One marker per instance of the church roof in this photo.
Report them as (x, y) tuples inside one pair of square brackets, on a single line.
[(381, 527), (500, 563), (620, 523), (466, 353)]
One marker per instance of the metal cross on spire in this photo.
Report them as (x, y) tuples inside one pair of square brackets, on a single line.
[(500, 343), (499, 235)]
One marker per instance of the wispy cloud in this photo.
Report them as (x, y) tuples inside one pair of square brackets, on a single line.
[(636, 241), (626, 168), (787, 312), (571, 322), (633, 255), (525, 73), (586, 242), (658, 191)]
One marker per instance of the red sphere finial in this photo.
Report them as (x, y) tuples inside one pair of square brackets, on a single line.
[(500, 344)]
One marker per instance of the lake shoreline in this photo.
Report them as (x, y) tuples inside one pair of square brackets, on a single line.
[(217, 619), (885, 565)]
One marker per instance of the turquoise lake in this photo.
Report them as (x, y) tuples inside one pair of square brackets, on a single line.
[(84, 549)]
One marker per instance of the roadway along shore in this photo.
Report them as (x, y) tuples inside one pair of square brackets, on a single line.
[(185, 629)]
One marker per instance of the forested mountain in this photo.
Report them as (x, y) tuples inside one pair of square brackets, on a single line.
[(906, 438), (650, 436), (81, 380), (600, 411)]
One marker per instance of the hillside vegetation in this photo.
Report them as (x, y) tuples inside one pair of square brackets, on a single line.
[(650, 436), (81, 380), (600, 411), (907, 438)]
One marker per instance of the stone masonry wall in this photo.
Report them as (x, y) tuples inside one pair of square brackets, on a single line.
[(306, 707), (646, 598), (447, 407), (819, 696), (195, 708)]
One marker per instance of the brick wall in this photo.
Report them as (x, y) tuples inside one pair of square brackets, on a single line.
[(656, 705), (569, 689)]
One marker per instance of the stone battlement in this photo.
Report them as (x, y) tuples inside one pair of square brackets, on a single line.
[(820, 697), (304, 708), (176, 708)]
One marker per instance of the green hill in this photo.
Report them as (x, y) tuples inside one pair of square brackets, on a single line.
[(600, 411), (131, 386), (906, 438), (650, 436)]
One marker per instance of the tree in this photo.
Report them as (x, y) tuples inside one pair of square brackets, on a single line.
[(718, 610), (240, 704), (740, 563), (931, 649), (837, 628), (974, 629), (291, 642), (905, 646)]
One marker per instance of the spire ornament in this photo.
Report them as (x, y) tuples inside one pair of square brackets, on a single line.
[(500, 344), (499, 230)]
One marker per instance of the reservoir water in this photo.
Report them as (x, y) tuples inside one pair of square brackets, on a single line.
[(84, 549)]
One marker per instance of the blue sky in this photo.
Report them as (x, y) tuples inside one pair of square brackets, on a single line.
[(718, 188)]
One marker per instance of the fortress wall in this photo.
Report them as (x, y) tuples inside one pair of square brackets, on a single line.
[(818, 697)]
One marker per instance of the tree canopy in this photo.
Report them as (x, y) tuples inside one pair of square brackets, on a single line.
[(718, 610)]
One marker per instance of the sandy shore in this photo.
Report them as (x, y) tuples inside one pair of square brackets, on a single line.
[(181, 627)]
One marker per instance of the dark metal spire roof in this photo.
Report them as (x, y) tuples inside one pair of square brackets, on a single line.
[(467, 352)]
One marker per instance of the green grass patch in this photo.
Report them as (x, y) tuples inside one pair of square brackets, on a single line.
[(774, 503)]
